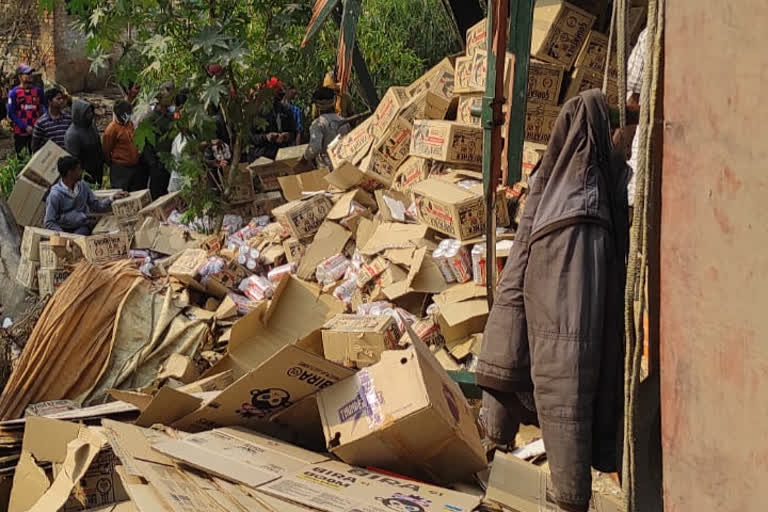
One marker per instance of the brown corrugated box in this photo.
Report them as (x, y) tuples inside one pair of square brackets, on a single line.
[(303, 217), (413, 170), (559, 31), (106, 247), (404, 414), (539, 120), (544, 82), (583, 79), (50, 279), (42, 168), (477, 37), (392, 102), (26, 202), (388, 153), (241, 186), (472, 72), (593, 54), (26, 273), (130, 206), (448, 141), (439, 80), (357, 341), (162, 207), (353, 147), (464, 112)]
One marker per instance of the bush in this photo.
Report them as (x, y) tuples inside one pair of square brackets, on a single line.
[(9, 171)]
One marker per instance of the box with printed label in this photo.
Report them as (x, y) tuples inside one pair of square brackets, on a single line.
[(539, 120), (544, 82), (593, 54), (303, 217), (106, 247), (352, 147), (464, 113), (412, 171), (426, 105), (27, 202), (59, 256), (477, 37), (455, 210), (532, 155), (185, 268), (403, 414), (472, 72), (50, 279), (387, 155), (43, 168), (357, 341), (559, 32), (394, 100), (26, 273), (241, 186), (162, 207), (439, 80), (583, 80), (448, 141), (131, 206)]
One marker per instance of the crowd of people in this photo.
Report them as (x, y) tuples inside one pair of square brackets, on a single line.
[(39, 116)]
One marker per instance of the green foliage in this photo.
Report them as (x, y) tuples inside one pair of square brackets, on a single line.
[(9, 171)]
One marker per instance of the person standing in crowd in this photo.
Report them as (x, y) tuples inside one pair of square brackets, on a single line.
[(70, 201), (280, 130), (298, 115), (324, 129), (343, 100), (160, 119), (121, 153), (26, 104), (132, 91), (635, 69), (53, 125), (83, 142)]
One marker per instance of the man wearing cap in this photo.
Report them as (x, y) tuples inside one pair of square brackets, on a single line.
[(26, 103)]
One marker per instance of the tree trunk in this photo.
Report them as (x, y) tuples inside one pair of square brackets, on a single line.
[(12, 294)]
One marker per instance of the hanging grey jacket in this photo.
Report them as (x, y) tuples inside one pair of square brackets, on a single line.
[(67, 210), (83, 142)]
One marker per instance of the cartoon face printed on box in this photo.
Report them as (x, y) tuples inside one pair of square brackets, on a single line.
[(402, 503), (264, 403)]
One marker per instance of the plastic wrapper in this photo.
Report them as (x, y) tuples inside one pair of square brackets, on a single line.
[(346, 290), (373, 308), (231, 223), (147, 266), (261, 221), (459, 259), (257, 287), (442, 263), (278, 273), (332, 269), (244, 304), (214, 265)]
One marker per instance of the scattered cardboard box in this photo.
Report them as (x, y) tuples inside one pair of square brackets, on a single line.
[(583, 79), (43, 168), (33, 236), (59, 253), (294, 250), (539, 121), (329, 241), (357, 341), (186, 266), (544, 82), (393, 101), (477, 37), (460, 320), (472, 72), (520, 485), (426, 105), (464, 113), (390, 150), (447, 141), (439, 80), (347, 176), (112, 224), (106, 247), (354, 146), (27, 202), (50, 279), (413, 170), (241, 185), (165, 238), (303, 217), (162, 207), (130, 206), (593, 55), (288, 376), (26, 274), (392, 235), (403, 414), (294, 186), (559, 32), (532, 155)]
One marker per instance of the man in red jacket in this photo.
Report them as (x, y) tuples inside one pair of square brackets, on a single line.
[(26, 103)]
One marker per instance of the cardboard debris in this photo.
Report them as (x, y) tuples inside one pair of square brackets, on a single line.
[(393, 235), (329, 240), (404, 414), (302, 218), (460, 320), (166, 239), (296, 185), (354, 146), (357, 341), (413, 170), (162, 207)]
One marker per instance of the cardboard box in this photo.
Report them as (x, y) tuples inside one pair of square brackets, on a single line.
[(265, 172), (265, 202), (357, 341), (584, 80), (294, 250), (453, 210), (520, 485), (26, 273), (539, 120), (472, 72), (112, 224), (559, 32), (27, 202), (43, 168), (477, 37), (106, 247), (288, 376), (593, 54), (30, 241), (447, 141), (329, 241), (439, 80), (389, 152), (162, 207), (130, 206), (50, 279), (186, 266), (460, 320), (393, 101), (352, 147), (464, 112), (426, 105), (241, 186), (303, 217), (165, 238), (544, 82), (295, 185), (403, 414), (413, 170), (532, 155), (63, 254)]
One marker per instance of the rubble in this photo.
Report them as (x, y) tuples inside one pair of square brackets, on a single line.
[(298, 358)]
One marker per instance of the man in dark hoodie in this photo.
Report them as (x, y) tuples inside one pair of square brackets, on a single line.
[(160, 119), (70, 200), (280, 129), (83, 142)]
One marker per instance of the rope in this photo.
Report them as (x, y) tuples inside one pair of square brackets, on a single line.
[(637, 268)]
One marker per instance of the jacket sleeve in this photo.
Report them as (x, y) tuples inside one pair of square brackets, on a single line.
[(13, 114), (315, 145), (72, 143), (97, 205), (55, 220), (52, 214), (39, 136), (108, 143)]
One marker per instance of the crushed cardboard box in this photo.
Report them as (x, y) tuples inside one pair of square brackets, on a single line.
[(357, 341)]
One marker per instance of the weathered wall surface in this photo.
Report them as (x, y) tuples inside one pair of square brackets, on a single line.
[(714, 258)]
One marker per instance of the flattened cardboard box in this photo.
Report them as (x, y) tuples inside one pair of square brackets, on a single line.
[(413, 170), (162, 207), (544, 82), (466, 103), (336, 487), (26, 202), (559, 31), (394, 100), (282, 380), (106, 247), (131, 206), (42, 168), (539, 121), (50, 279), (357, 341), (453, 210), (352, 147), (165, 238), (447, 141), (387, 155), (403, 414), (239, 455), (522, 486), (293, 186), (303, 217), (477, 37)]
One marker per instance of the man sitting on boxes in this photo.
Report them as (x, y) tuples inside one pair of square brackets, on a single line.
[(71, 201)]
